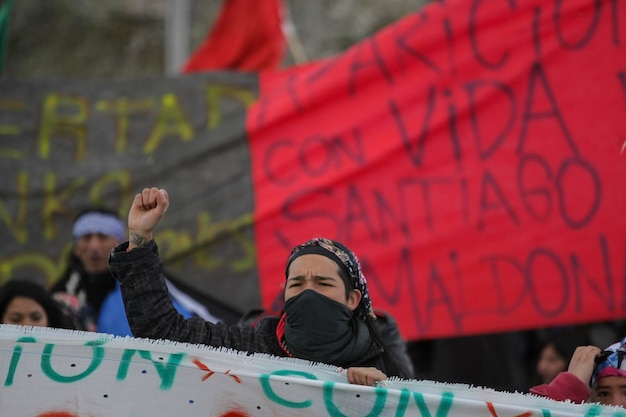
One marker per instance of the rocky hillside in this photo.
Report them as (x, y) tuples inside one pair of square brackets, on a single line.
[(125, 38)]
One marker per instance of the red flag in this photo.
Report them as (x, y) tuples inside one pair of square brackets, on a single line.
[(247, 36)]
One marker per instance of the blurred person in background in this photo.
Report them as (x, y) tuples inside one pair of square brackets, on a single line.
[(555, 350), (95, 231), (28, 303)]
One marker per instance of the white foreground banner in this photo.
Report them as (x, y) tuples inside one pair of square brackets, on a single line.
[(59, 373)]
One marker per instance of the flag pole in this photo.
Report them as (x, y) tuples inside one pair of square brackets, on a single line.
[(177, 23), (296, 48)]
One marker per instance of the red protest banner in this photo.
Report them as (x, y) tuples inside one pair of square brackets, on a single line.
[(470, 154)]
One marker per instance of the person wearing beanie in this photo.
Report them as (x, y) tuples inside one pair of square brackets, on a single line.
[(327, 312), (592, 376), (95, 231)]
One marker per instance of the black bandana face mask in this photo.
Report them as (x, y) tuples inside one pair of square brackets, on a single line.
[(322, 330)]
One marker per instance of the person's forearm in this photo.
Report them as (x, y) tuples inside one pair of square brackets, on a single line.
[(138, 239), (566, 386), (143, 287)]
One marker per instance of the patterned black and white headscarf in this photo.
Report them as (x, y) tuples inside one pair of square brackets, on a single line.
[(611, 362)]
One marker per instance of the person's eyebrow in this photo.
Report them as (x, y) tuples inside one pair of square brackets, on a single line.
[(315, 278)]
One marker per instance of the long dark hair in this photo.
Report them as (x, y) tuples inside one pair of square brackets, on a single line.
[(385, 333), (30, 289), (564, 340)]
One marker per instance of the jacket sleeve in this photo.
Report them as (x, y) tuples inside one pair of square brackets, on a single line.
[(566, 386), (394, 345), (149, 308)]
